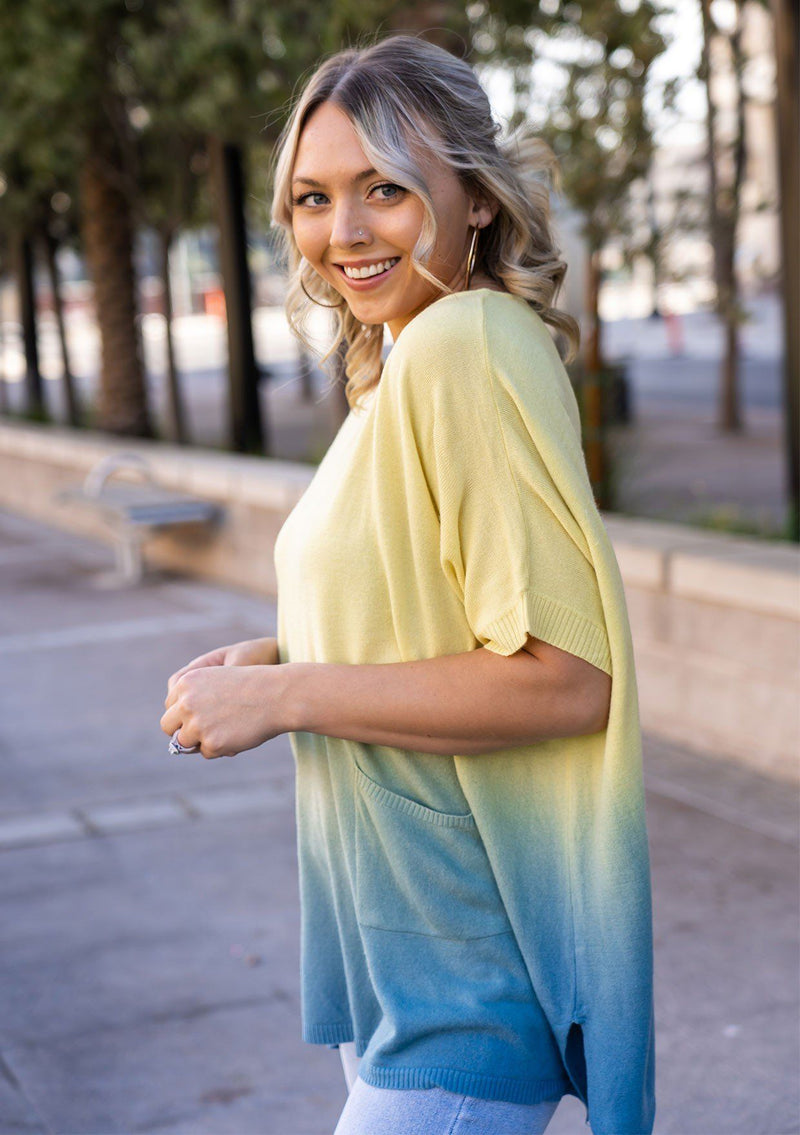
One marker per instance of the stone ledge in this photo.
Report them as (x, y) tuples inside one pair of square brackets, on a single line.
[(713, 566), (218, 476), (739, 574), (716, 567)]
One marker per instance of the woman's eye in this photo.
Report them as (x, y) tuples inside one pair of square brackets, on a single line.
[(397, 191), (303, 199), (313, 201)]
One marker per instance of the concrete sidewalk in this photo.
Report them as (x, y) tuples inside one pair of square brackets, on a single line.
[(149, 908)]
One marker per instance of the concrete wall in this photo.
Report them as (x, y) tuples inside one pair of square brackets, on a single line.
[(715, 619), (716, 630)]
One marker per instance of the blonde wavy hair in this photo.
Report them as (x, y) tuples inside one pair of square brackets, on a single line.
[(404, 97)]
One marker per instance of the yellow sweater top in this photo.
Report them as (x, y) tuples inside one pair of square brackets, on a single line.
[(482, 922)]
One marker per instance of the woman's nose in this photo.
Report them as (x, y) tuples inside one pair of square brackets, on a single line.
[(347, 228)]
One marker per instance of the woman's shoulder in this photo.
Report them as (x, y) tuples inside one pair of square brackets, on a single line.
[(465, 333), (467, 323), (468, 351)]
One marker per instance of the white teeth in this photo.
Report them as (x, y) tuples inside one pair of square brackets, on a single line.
[(372, 270)]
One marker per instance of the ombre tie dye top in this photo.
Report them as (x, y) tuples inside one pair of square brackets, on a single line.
[(480, 923)]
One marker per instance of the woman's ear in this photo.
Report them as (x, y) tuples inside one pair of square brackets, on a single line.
[(482, 211)]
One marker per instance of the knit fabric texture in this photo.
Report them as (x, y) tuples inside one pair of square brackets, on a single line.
[(479, 923)]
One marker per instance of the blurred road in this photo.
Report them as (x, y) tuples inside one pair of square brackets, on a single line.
[(149, 910), (672, 462)]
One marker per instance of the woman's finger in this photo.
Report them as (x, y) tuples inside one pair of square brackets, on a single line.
[(210, 658), (179, 736), (171, 680), (170, 721), (171, 694), (195, 664)]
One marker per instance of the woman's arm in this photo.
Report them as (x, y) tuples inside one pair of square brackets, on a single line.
[(470, 703)]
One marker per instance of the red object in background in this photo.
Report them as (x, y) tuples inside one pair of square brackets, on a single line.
[(674, 327), (214, 302)]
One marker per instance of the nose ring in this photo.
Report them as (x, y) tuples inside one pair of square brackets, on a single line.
[(360, 232)]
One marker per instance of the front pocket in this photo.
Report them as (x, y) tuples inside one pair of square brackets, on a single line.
[(421, 871)]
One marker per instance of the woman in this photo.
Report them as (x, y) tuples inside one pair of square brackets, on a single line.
[(474, 871)]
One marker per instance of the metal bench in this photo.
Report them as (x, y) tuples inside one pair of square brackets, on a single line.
[(135, 510)]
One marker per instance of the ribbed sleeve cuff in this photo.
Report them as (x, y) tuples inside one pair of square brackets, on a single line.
[(339, 1033), (551, 621)]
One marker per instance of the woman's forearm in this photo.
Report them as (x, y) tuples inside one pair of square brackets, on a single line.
[(475, 702)]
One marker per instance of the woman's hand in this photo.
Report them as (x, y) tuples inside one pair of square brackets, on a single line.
[(250, 652), (225, 708)]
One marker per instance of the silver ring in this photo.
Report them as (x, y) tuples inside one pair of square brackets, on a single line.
[(176, 748)]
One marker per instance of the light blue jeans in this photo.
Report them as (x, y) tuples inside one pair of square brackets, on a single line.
[(431, 1111)]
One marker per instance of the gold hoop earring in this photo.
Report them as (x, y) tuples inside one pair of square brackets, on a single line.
[(319, 303), (471, 256)]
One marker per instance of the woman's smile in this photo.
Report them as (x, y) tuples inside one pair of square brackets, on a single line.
[(364, 274)]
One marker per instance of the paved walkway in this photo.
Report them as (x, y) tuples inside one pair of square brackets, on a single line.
[(148, 904), (673, 463)]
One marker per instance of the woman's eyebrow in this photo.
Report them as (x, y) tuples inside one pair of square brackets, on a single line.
[(318, 184)]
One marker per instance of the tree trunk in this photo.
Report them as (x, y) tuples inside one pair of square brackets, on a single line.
[(711, 134), (246, 432), (108, 241), (787, 32), (34, 388), (594, 342), (724, 205), (177, 417), (74, 416), (729, 410), (654, 243), (730, 419)]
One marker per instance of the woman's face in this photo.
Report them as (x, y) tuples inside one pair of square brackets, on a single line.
[(346, 216)]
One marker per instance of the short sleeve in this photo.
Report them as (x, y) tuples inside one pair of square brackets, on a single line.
[(500, 445)]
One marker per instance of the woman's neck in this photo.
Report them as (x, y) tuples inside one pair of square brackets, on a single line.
[(480, 280)]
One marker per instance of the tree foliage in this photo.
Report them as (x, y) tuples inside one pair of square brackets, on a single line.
[(135, 90), (580, 74)]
